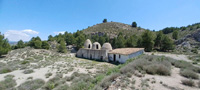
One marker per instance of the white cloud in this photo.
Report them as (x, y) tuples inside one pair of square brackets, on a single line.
[(60, 32), (16, 35), (29, 31)]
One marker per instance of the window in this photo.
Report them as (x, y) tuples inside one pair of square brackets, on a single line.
[(119, 56)]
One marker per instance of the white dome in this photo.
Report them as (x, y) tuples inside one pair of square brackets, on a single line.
[(88, 44), (96, 45), (106, 46)]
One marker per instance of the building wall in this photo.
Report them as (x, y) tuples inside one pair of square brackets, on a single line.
[(123, 58), (93, 54)]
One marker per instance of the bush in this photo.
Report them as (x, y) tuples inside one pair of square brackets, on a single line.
[(188, 82), (8, 83), (157, 69), (189, 74), (47, 75), (31, 85), (108, 80), (24, 62), (5, 70), (62, 87), (28, 71)]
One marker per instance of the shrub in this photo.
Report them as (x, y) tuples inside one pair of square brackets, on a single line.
[(62, 87), (24, 62), (188, 82), (5, 70), (159, 69), (47, 75), (108, 80), (28, 71), (8, 83), (189, 74), (31, 85)]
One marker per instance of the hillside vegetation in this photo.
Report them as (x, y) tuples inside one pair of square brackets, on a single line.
[(182, 31), (113, 29)]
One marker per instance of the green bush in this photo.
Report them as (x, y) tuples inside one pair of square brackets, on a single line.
[(24, 62), (5, 70), (159, 69), (188, 82), (189, 74), (31, 85), (28, 71), (47, 75), (8, 83)]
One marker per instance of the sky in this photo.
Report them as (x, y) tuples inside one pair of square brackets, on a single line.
[(23, 19)]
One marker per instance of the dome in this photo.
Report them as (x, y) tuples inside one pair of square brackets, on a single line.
[(96, 45), (88, 44), (106, 46)]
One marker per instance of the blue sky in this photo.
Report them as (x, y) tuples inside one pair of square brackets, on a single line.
[(22, 19)]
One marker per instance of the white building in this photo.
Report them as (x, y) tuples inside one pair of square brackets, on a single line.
[(106, 53), (122, 54)]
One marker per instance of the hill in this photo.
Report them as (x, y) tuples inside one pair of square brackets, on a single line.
[(112, 29), (188, 37)]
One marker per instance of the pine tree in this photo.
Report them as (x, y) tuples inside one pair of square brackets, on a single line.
[(80, 41), (104, 20), (120, 42), (167, 44), (102, 40), (4, 45), (175, 34), (131, 41), (158, 40), (50, 38), (148, 40), (20, 44), (37, 44), (134, 24), (62, 47), (45, 45)]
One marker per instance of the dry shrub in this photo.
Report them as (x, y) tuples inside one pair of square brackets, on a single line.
[(31, 85), (188, 82), (189, 74), (159, 69), (108, 80)]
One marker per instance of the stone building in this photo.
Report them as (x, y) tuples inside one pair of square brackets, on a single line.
[(106, 53)]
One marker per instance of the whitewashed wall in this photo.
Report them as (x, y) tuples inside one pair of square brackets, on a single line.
[(123, 58)]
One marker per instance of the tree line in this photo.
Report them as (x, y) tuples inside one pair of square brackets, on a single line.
[(148, 40)]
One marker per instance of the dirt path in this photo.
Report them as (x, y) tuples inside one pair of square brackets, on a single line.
[(174, 56)]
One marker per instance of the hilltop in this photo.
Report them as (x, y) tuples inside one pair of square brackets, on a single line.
[(113, 29)]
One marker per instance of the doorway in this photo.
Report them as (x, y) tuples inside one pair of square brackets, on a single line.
[(90, 56), (114, 57)]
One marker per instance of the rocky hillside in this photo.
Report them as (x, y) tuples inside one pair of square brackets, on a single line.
[(112, 29)]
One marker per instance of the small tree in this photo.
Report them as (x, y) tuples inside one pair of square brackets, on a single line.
[(20, 44), (45, 45), (134, 24), (104, 20), (158, 40), (62, 47), (37, 44), (131, 41), (167, 44), (175, 34), (120, 42), (50, 38), (4, 45), (148, 40)]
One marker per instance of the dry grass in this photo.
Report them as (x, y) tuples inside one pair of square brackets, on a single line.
[(188, 82)]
